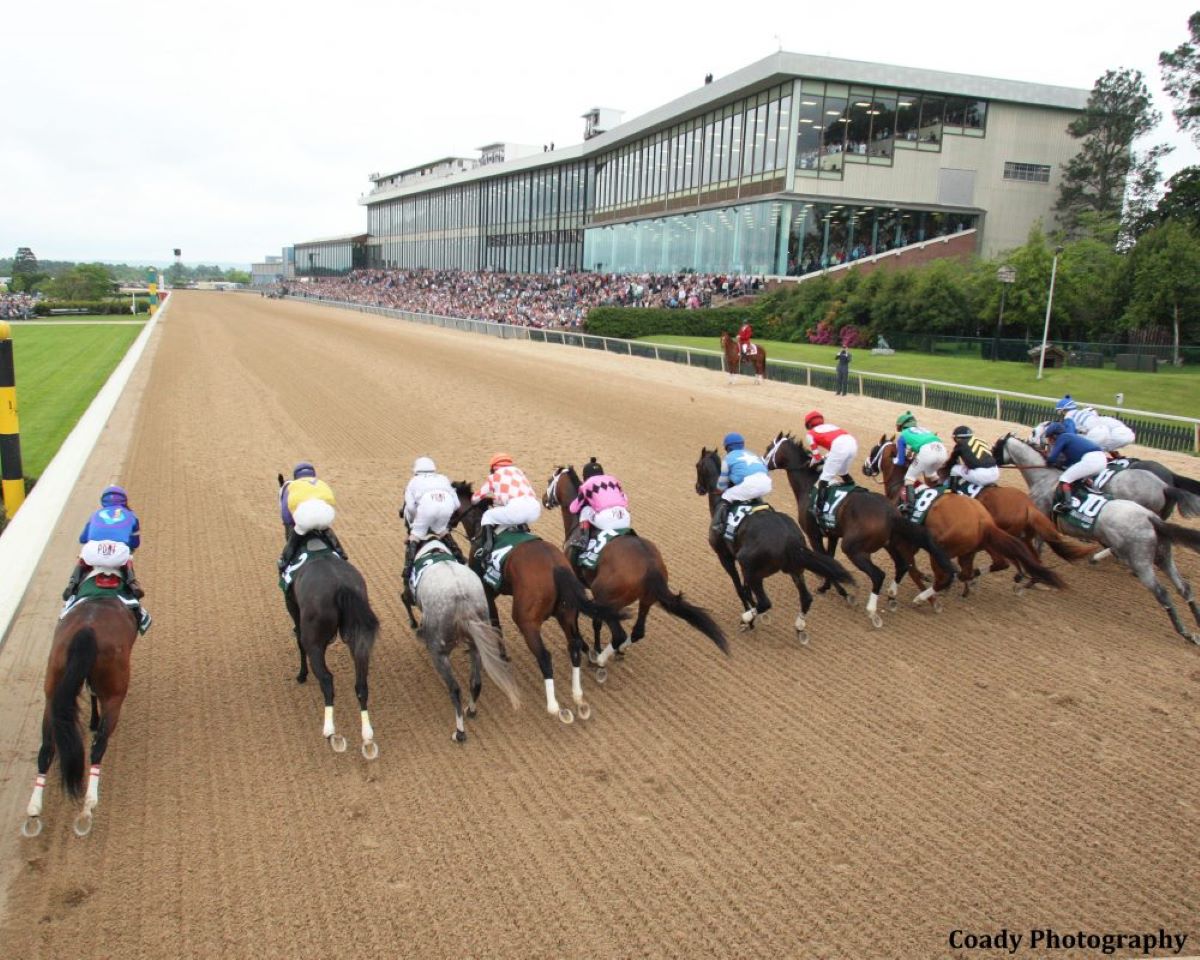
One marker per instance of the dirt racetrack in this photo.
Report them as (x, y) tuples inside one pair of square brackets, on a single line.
[(1011, 762)]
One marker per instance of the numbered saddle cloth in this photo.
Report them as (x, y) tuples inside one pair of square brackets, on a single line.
[(972, 490), (314, 549), (590, 558), (1101, 480), (834, 495), (924, 502), (1085, 511), (432, 553), (104, 583), (738, 513), (495, 562)]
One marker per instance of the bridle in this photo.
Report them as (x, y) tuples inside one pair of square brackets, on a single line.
[(769, 459), (873, 468), (550, 500)]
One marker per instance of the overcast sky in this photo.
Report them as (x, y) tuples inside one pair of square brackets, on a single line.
[(232, 129)]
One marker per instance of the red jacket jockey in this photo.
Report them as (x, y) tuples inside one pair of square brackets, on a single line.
[(744, 336)]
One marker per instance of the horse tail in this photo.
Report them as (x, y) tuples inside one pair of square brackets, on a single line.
[(1188, 503), (1187, 484), (356, 620), (919, 538), (64, 709), (1069, 550), (486, 639), (1174, 533), (570, 595), (689, 613), (798, 558), (1019, 553)]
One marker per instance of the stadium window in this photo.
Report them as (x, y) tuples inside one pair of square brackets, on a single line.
[(1028, 172)]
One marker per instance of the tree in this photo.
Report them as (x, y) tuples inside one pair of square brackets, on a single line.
[(26, 273), (1165, 268), (234, 275), (1096, 179), (1181, 201), (1181, 78), (86, 281)]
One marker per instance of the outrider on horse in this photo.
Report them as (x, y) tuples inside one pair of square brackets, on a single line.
[(734, 358)]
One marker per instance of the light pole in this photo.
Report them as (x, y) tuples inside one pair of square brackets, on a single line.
[(1049, 304), (1006, 276)]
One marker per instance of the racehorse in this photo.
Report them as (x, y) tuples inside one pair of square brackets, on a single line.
[(539, 578), (1135, 534), (866, 522), (328, 596), (92, 643), (734, 359), (962, 527), (454, 609), (631, 570), (767, 542)]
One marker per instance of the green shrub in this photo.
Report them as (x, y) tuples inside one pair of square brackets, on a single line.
[(632, 322), (111, 307)]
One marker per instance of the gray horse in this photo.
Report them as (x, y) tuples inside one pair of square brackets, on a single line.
[(454, 610), (1135, 534)]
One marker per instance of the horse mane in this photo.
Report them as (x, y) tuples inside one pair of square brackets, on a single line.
[(574, 476), (463, 486)]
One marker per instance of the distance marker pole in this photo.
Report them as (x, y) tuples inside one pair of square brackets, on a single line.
[(13, 479)]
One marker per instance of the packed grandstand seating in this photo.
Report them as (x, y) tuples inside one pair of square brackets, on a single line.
[(17, 306), (534, 300)]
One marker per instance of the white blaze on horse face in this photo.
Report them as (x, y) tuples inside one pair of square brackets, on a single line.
[(328, 730), (368, 733), (93, 788), (35, 801), (551, 703)]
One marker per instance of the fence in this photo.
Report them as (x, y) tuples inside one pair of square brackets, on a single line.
[(1161, 430), (1080, 353)]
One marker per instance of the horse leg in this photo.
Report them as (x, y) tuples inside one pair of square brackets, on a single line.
[(533, 639), (901, 564), (33, 813), (494, 616), (639, 625), (819, 544), (743, 594), (362, 668), (1144, 571), (1166, 562), (110, 714), (441, 663), (756, 588), (569, 621), (806, 599), (862, 560), (316, 657), (967, 572)]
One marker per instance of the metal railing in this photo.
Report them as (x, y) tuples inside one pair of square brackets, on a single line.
[(1161, 430)]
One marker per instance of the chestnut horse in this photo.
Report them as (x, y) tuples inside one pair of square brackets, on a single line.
[(92, 643), (734, 359), (631, 570), (538, 577), (962, 527)]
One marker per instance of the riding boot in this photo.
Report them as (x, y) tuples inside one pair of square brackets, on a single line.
[(847, 479), (487, 538), (289, 550), (332, 539), (909, 498), (576, 543), (719, 517), (131, 582), (73, 583), (448, 539), (410, 557), (1064, 497), (953, 482), (822, 493)]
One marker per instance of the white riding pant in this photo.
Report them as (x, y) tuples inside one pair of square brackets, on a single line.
[(984, 476), (754, 486), (105, 554), (1109, 434), (433, 513), (841, 456), (1089, 465), (517, 511), (928, 461), (611, 518), (313, 515)]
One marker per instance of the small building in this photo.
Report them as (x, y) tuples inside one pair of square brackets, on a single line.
[(1055, 356)]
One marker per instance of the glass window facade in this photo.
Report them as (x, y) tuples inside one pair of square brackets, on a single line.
[(1031, 172), (330, 258)]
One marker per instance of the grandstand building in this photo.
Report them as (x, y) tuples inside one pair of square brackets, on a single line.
[(792, 164)]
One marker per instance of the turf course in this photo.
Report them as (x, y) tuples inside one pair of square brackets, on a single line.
[(1172, 390), (58, 372)]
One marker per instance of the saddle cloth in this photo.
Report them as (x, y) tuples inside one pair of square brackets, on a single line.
[(431, 553), (590, 558), (837, 492), (494, 563), (1085, 511), (925, 499), (314, 549), (751, 350), (1100, 481), (738, 513)]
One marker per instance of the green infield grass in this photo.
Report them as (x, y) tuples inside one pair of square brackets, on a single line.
[(59, 369), (1172, 390)]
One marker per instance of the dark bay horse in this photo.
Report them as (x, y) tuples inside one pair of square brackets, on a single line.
[(92, 643), (767, 542), (538, 577), (962, 527), (631, 570), (866, 522), (734, 359)]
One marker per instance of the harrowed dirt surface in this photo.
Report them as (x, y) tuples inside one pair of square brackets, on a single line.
[(1013, 762)]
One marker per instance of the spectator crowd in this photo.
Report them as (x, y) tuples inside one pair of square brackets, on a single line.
[(17, 306), (533, 300)]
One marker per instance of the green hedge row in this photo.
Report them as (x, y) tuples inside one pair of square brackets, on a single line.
[(632, 322), (43, 307)]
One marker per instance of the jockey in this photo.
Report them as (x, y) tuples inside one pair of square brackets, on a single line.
[(1080, 456), (306, 506), (429, 503), (971, 460), (833, 449), (109, 539), (601, 504), (1108, 433), (514, 502), (929, 455), (744, 336), (743, 477)]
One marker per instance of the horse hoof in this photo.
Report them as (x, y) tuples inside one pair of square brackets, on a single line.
[(338, 743), (802, 637), (618, 655), (370, 750), (937, 605), (31, 827), (1019, 589), (83, 824), (601, 675), (593, 657), (584, 710), (892, 605), (459, 736), (301, 677), (876, 620), (566, 716), (851, 601), (749, 615)]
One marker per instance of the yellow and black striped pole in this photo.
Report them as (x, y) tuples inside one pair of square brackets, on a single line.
[(10, 432)]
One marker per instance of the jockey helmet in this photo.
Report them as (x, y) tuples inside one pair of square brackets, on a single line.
[(500, 460), (1066, 403), (963, 433), (905, 419), (734, 440), (303, 469), (592, 469), (813, 418), (424, 465), (1054, 430), (114, 497)]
